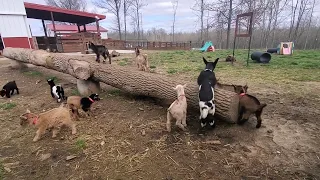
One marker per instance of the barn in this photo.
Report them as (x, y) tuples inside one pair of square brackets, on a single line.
[(15, 31)]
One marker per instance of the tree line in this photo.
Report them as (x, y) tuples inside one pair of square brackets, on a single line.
[(274, 21)]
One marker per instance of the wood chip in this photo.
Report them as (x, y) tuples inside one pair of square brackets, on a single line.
[(102, 143), (7, 169), (70, 157), (215, 142), (141, 109), (44, 157), (143, 132)]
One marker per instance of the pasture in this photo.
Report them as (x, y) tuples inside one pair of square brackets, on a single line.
[(127, 138)]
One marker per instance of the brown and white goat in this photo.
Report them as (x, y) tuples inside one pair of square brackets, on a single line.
[(178, 109), (248, 105), (85, 103), (54, 118), (141, 60)]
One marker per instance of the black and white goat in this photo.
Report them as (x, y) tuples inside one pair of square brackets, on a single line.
[(206, 81), (56, 90)]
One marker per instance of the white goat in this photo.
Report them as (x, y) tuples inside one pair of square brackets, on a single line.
[(178, 109)]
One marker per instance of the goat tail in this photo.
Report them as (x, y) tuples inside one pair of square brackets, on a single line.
[(205, 112), (262, 106)]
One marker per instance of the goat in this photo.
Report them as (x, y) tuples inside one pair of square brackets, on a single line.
[(9, 87), (230, 59), (54, 118), (100, 50), (178, 109), (84, 103), (248, 105), (142, 60), (231, 87), (207, 81), (56, 90)]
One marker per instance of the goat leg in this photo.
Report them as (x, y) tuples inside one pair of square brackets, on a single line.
[(169, 118), (258, 115), (17, 90)]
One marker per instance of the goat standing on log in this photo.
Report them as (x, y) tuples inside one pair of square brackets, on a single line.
[(207, 81), (100, 50), (142, 60), (178, 109)]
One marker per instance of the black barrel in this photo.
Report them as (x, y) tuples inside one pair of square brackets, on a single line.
[(272, 50), (261, 57)]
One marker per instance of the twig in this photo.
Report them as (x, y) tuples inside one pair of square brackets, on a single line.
[(226, 161), (173, 160)]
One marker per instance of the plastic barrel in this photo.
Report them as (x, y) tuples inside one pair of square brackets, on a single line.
[(261, 57), (272, 50)]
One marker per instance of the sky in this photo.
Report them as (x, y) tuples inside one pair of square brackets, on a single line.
[(158, 13)]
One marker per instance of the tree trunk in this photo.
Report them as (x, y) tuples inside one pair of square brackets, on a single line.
[(229, 23), (127, 79)]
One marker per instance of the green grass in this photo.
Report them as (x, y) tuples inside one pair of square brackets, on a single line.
[(6, 106), (124, 62), (80, 144), (303, 65), (75, 92), (55, 79), (114, 92), (32, 73)]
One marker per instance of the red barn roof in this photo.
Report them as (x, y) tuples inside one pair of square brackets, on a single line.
[(62, 27)]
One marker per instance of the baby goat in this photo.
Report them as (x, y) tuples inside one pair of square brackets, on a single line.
[(9, 87), (248, 105), (77, 102), (54, 118), (142, 60), (56, 90), (100, 50), (178, 109), (207, 81)]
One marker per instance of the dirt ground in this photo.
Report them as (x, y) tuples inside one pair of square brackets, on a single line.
[(127, 139)]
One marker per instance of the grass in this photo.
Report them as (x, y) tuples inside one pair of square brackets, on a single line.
[(75, 92), (55, 79), (6, 106), (303, 65), (124, 62), (32, 73), (80, 144), (114, 92)]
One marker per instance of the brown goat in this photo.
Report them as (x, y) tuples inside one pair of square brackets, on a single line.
[(54, 118), (231, 87), (141, 60), (248, 105), (230, 58)]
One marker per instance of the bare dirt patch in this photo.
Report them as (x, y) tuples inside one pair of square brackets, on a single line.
[(127, 139)]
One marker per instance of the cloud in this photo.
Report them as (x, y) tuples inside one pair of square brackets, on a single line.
[(157, 13)]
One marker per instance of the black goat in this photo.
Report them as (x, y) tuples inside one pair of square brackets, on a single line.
[(100, 50), (9, 87), (206, 81)]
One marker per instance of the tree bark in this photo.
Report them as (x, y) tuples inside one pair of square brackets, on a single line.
[(127, 79)]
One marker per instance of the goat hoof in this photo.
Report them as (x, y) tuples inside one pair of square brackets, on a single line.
[(104, 62), (203, 125)]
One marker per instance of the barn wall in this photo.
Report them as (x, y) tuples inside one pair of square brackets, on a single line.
[(14, 28)]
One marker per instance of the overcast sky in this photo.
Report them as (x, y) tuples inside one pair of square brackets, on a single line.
[(158, 14)]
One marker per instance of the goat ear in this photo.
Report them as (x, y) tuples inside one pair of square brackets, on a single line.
[(215, 63), (185, 85), (204, 60)]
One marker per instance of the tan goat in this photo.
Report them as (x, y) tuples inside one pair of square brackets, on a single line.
[(142, 60), (178, 109), (54, 118)]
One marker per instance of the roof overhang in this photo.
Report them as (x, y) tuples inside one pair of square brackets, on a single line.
[(38, 11)]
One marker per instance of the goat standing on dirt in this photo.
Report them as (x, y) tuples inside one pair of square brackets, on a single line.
[(77, 102), (54, 118), (248, 105), (142, 60), (56, 90), (100, 50), (9, 87), (178, 109), (207, 81)]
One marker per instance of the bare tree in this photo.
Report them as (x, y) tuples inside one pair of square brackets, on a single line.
[(79, 5), (174, 6), (126, 6), (114, 7), (309, 24), (136, 8)]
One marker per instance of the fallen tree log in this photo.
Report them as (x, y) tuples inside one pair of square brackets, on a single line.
[(128, 79)]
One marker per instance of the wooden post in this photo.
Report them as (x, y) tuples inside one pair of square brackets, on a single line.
[(98, 27), (84, 28), (46, 35), (78, 28)]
